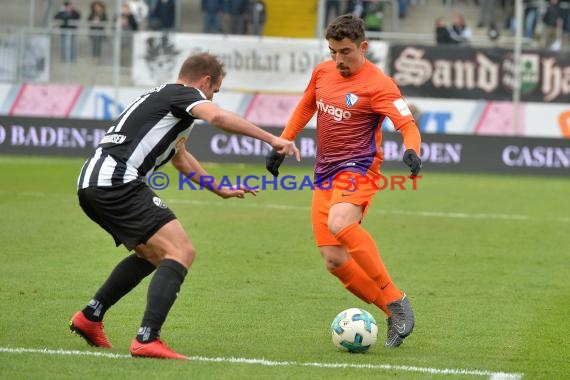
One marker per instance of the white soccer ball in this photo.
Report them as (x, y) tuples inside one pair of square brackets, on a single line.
[(354, 330)]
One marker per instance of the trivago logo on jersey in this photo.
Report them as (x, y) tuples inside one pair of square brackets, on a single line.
[(337, 113)]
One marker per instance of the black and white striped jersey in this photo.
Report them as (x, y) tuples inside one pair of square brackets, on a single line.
[(143, 137)]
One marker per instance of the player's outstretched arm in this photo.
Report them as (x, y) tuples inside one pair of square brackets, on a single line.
[(188, 165), (231, 122)]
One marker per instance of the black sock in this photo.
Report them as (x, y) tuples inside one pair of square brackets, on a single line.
[(147, 334), (162, 292), (126, 275)]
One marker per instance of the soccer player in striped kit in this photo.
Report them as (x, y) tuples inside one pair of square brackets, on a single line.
[(113, 192)]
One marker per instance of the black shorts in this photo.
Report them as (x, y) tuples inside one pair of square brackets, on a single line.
[(131, 212)]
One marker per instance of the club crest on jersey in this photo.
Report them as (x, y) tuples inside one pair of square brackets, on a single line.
[(158, 202), (351, 99)]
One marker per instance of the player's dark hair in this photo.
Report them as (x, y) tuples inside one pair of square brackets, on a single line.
[(346, 26), (200, 65)]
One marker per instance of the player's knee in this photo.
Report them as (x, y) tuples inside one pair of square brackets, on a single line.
[(331, 264), (333, 257), (190, 254), (337, 224), (184, 254)]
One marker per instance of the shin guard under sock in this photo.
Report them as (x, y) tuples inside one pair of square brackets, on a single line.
[(162, 292), (124, 277), (360, 284), (363, 249)]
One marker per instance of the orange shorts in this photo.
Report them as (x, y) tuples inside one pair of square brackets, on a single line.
[(347, 187)]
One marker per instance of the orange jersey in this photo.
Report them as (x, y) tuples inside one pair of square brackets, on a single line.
[(350, 112)]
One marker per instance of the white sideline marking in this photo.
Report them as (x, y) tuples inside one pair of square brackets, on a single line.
[(269, 363)]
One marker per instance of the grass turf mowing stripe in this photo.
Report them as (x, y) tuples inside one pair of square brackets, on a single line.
[(437, 214), (434, 214)]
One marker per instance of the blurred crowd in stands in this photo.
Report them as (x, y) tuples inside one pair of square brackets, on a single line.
[(546, 23), (219, 16)]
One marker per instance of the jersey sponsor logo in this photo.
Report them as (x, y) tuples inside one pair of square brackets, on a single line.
[(115, 138), (351, 99), (158, 202), (402, 107), (338, 114)]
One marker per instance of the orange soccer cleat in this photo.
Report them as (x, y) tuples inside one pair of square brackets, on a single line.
[(157, 349), (91, 331)]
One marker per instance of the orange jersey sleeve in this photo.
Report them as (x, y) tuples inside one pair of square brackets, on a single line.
[(303, 112), (388, 101), (411, 136)]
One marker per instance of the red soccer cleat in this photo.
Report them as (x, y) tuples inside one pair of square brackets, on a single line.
[(157, 349), (91, 331)]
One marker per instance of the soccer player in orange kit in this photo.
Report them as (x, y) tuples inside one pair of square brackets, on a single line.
[(352, 97)]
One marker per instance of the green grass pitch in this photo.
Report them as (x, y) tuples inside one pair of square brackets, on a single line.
[(484, 258)]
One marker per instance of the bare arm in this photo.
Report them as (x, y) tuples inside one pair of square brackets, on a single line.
[(187, 164), (230, 122)]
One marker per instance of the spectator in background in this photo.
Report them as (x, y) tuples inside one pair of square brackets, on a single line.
[(530, 17), (236, 10), (459, 30), (442, 35), (355, 7), (129, 25), (152, 22), (332, 10), (212, 11), (139, 10), (487, 10), (164, 14), (258, 17), (553, 23), (371, 11), (565, 8), (128, 21), (402, 8), (373, 16), (97, 19), (68, 16)]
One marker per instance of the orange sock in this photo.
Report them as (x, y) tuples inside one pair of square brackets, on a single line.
[(360, 284), (362, 248)]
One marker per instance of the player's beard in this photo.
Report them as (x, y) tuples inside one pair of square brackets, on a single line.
[(344, 71)]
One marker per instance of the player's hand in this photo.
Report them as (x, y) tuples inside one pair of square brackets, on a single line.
[(286, 148), (413, 161), (180, 147), (181, 144), (273, 161), (236, 192)]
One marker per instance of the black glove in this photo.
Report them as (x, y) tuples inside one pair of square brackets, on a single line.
[(273, 161), (413, 161)]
